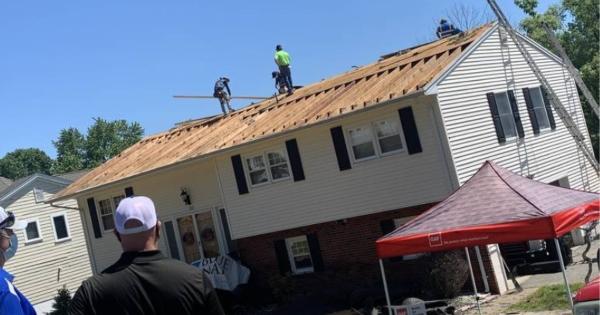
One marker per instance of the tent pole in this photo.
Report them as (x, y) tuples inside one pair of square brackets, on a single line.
[(385, 288), (473, 280), (562, 267)]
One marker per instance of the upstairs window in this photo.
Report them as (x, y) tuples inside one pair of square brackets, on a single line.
[(379, 138), (539, 108), (38, 194), (106, 214), (61, 227), (32, 231), (361, 140), (388, 135), (269, 166), (506, 115)]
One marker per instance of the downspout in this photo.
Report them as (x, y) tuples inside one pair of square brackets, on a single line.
[(223, 202)]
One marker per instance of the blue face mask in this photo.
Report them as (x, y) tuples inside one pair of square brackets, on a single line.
[(12, 248)]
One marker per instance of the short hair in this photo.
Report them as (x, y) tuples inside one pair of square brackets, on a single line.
[(278, 47)]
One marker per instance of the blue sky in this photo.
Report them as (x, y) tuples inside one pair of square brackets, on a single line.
[(65, 62)]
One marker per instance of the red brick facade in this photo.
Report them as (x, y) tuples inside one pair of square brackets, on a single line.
[(346, 244)]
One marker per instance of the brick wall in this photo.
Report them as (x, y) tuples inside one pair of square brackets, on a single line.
[(345, 245)]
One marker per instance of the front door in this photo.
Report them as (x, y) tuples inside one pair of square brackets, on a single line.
[(197, 236)]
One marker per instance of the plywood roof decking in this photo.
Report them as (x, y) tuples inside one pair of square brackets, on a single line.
[(391, 77)]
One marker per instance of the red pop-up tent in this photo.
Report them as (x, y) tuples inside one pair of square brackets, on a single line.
[(493, 206)]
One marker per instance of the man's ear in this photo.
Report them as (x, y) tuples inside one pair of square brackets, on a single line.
[(158, 226), (117, 235)]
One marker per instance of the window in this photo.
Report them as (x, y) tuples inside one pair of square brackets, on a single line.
[(32, 232), (299, 254), (539, 108), (61, 227), (376, 139), (106, 214), (38, 194), (270, 166), (507, 118)]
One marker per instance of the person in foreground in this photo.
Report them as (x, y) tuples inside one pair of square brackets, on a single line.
[(11, 300), (143, 281)]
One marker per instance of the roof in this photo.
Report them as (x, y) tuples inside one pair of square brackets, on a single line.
[(21, 183), (493, 206), (72, 176), (4, 183), (391, 77)]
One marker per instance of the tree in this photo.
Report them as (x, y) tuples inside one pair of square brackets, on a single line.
[(577, 25), (467, 17), (70, 151), (106, 139), (61, 302), (24, 162)]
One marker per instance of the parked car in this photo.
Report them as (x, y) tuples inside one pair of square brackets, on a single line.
[(587, 299), (535, 256)]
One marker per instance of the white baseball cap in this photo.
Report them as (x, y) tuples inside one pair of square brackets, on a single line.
[(138, 208), (8, 221)]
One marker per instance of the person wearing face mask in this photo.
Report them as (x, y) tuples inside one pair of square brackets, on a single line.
[(143, 280), (12, 301)]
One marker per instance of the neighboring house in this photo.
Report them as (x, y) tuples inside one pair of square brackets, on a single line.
[(4, 183), (307, 183), (52, 250)]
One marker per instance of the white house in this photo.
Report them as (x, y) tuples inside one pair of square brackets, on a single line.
[(308, 182), (52, 249)]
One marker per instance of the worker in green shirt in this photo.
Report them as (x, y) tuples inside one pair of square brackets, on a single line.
[(282, 59)]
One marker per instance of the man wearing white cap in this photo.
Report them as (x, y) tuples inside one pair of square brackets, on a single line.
[(143, 281), (11, 300)]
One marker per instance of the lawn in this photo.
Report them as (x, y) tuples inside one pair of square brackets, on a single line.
[(546, 298)]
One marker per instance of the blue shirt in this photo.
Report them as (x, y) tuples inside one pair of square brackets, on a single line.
[(11, 300)]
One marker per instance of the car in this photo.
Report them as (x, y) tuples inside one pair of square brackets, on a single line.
[(587, 299), (535, 256)]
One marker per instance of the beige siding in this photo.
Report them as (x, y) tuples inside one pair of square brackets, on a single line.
[(36, 265), (470, 130), (387, 183), (163, 188)]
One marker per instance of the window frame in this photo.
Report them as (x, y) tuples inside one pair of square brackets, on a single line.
[(374, 139), (100, 215), (37, 226), (64, 215), (512, 116), (38, 193), (288, 245), (543, 107), (265, 156)]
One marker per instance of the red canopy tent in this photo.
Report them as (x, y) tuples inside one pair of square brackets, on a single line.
[(493, 206)]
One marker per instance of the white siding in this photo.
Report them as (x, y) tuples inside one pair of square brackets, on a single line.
[(372, 186), (470, 130), (36, 265), (163, 188)]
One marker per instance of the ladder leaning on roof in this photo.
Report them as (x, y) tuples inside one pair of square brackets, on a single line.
[(561, 111)]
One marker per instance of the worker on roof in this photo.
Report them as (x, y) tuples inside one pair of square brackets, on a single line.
[(446, 29), (280, 85), (282, 59), (223, 93)]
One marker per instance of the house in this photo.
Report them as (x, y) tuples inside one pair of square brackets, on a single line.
[(306, 183), (52, 249)]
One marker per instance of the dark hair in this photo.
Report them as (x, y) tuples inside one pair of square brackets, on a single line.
[(278, 47), (443, 21)]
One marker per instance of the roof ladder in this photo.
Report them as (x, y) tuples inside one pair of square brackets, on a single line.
[(561, 111)]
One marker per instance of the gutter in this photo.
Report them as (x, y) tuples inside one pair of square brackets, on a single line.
[(235, 147)]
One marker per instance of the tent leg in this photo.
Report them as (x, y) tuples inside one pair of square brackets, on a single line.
[(385, 288), (562, 267), (473, 280)]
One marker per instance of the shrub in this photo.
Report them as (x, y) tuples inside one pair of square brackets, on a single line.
[(448, 272), (282, 287), (61, 302)]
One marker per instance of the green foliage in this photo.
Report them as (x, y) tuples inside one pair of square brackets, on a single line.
[(546, 298), (448, 273), (61, 302), (282, 287), (577, 26), (70, 151), (106, 139), (24, 162)]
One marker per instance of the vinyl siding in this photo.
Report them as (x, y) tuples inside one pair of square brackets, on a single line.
[(36, 265), (163, 188), (468, 123), (391, 182)]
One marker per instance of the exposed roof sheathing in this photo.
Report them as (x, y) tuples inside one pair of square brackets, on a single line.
[(391, 77)]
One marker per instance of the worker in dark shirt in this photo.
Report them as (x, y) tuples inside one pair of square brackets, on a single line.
[(143, 281), (280, 84), (223, 93), (446, 29)]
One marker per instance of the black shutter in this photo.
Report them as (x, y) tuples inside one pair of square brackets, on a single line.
[(282, 257), (548, 108), (515, 111), (226, 231), (315, 252), (496, 117), (240, 178), (413, 143), (531, 112), (295, 161), (128, 191), (94, 216), (337, 135), (387, 226)]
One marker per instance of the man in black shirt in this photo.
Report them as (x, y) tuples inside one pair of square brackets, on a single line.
[(143, 281)]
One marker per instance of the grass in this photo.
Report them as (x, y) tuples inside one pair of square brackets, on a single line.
[(546, 298)]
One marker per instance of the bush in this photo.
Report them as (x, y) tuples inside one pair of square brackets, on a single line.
[(61, 302), (448, 272), (282, 287)]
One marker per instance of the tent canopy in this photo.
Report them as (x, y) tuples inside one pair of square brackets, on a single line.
[(493, 206)]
